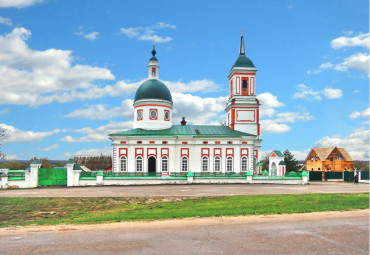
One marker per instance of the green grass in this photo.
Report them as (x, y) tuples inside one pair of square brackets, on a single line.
[(51, 211)]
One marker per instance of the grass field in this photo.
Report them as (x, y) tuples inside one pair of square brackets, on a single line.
[(51, 211)]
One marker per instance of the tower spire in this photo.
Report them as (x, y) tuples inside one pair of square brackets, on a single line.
[(242, 50), (153, 50)]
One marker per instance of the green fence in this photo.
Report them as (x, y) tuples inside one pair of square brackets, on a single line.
[(130, 175), (293, 174), (219, 175), (16, 175), (333, 176), (315, 175), (364, 175), (261, 177), (52, 176), (348, 176)]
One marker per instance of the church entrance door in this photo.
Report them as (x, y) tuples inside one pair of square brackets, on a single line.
[(152, 165), (273, 169)]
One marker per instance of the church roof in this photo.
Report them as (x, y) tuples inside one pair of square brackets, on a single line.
[(189, 130), (153, 89), (243, 60), (278, 153), (324, 152)]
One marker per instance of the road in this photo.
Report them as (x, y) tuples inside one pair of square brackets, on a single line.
[(313, 233), (187, 190)]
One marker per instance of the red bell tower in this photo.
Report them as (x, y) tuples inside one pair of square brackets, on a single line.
[(242, 108)]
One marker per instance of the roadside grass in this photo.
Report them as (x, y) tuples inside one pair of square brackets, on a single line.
[(52, 211)]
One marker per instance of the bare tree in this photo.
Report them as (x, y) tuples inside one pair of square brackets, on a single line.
[(4, 135)]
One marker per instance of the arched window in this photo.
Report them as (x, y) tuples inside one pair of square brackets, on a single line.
[(123, 164), (245, 86), (164, 164), (244, 167), (217, 164), (184, 164), (229, 164), (139, 164), (205, 164), (153, 72)]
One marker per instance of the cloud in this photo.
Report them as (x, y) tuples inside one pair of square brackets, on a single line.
[(107, 151), (95, 112), (356, 143), (99, 134), (359, 61), (20, 136), (149, 33), (50, 148), (207, 110), (309, 94), (364, 114), (34, 77), (18, 3), (333, 93), (268, 103), (361, 40), (279, 123), (89, 36), (4, 111), (5, 21)]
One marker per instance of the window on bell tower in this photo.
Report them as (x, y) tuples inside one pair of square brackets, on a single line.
[(153, 72), (245, 86)]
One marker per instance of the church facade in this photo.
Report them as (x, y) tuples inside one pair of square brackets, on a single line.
[(155, 145)]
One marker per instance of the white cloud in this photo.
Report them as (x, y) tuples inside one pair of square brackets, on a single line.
[(359, 61), (278, 125), (94, 112), (354, 115), (149, 33), (273, 126), (92, 36), (107, 151), (333, 93), (33, 77), (207, 110), (18, 3), (20, 136), (268, 103), (357, 143), (309, 94), (361, 40), (306, 93), (326, 65), (5, 21), (364, 114), (99, 134), (50, 148)]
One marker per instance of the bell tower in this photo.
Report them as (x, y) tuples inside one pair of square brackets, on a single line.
[(153, 67), (242, 108)]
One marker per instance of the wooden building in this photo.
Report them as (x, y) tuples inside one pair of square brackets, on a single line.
[(333, 159)]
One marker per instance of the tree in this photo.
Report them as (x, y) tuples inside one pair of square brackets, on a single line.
[(4, 135), (265, 162), (290, 162)]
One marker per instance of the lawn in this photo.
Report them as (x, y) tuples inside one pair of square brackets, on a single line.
[(51, 211)]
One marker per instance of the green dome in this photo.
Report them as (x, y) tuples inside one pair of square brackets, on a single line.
[(243, 61), (153, 89)]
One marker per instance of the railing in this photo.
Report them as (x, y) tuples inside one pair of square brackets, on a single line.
[(219, 175), (261, 177), (132, 175), (16, 175)]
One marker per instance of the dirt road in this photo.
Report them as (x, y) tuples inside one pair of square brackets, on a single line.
[(313, 233)]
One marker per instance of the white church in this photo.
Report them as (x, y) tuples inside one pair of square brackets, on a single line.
[(155, 145)]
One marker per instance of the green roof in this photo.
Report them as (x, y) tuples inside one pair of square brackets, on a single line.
[(189, 130), (153, 89), (243, 61), (77, 167), (153, 59), (259, 164), (36, 161), (278, 153), (282, 163), (71, 161)]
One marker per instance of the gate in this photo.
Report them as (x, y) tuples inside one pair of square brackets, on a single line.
[(52, 176), (315, 175), (349, 176)]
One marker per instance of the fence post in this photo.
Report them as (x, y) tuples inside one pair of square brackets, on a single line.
[(304, 177), (190, 177), (4, 180), (34, 174), (70, 177), (249, 177), (99, 178)]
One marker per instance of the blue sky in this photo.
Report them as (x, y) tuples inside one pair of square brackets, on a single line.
[(69, 69)]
